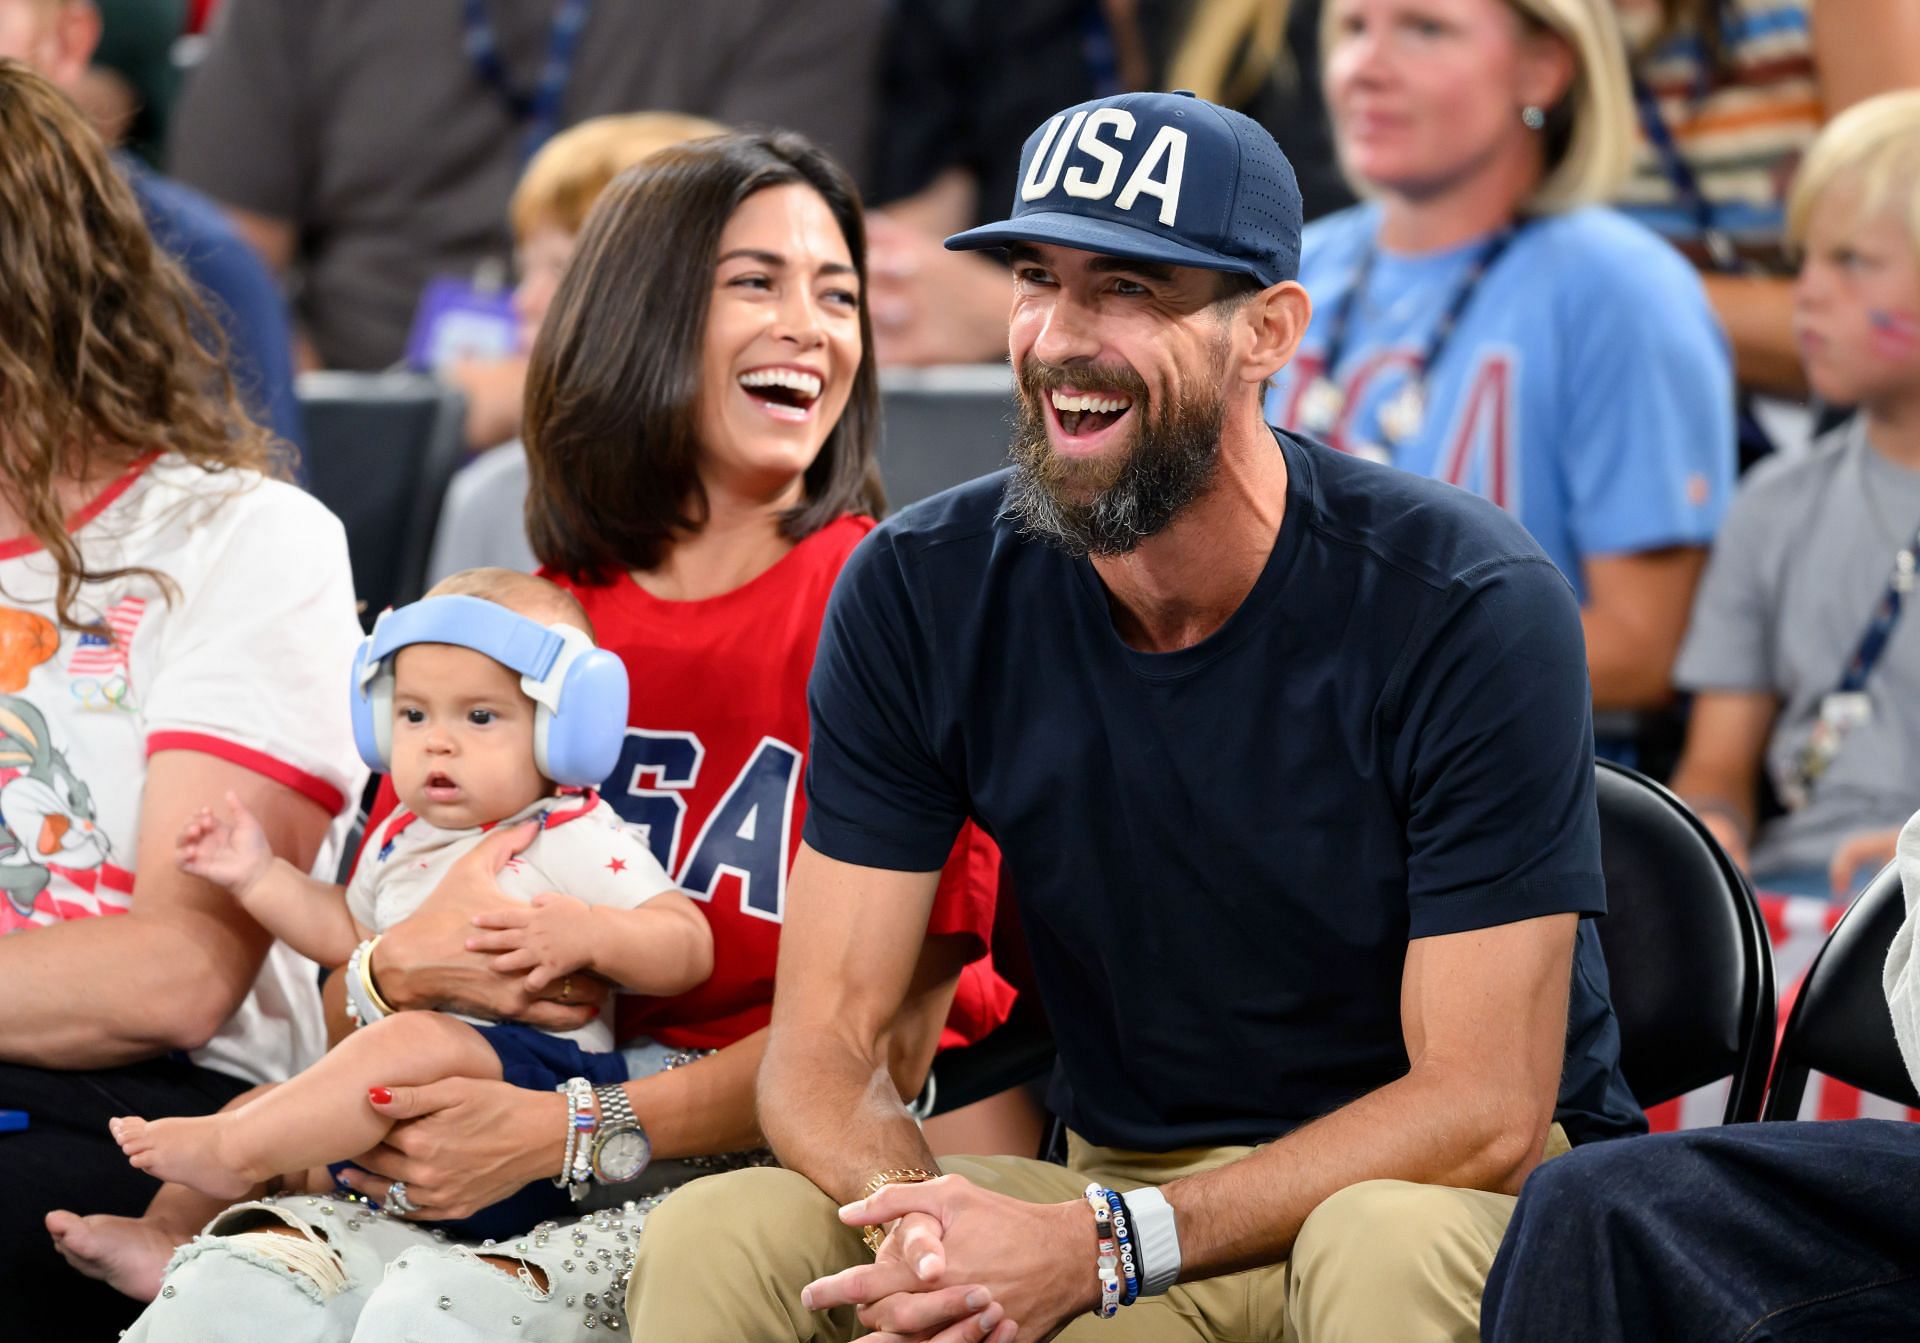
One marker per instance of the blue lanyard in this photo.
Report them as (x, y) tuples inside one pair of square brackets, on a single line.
[(1886, 614), (1437, 343), (539, 110), (1679, 173)]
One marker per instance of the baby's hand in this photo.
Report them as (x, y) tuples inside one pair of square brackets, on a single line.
[(549, 938), (233, 854)]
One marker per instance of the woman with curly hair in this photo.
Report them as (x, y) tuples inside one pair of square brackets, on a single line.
[(175, 622)]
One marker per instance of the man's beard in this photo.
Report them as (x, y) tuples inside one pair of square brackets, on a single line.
[(1109, 505)]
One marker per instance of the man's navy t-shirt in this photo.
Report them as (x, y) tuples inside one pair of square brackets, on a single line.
[(1221, 852)]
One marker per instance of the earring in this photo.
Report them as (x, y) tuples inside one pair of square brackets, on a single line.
[(1533, 117)]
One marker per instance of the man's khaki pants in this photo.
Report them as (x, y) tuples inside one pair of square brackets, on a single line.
[(725, 1257)]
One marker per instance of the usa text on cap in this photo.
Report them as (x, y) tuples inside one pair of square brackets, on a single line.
[(1163, 177)]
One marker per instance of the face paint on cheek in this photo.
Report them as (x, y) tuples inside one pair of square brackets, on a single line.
[(1895, 334)]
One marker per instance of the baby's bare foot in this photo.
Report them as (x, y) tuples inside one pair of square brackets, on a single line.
[(183, 1150), (128, 1253)]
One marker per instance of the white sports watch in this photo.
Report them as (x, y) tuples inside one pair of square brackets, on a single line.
[(620, 1148)]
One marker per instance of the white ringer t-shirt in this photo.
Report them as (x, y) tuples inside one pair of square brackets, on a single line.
[(249, 661)]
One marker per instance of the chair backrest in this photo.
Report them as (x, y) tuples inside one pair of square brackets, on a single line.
[(940, 427), (1686, 947), (381, 448), (1840, 1025)]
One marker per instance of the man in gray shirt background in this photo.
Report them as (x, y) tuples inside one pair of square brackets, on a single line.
[(365, 146)]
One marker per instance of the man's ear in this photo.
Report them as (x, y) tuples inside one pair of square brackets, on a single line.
[(1277, 318)]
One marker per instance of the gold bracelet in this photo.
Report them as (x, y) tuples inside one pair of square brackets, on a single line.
[(366, 976), (876, 1236)]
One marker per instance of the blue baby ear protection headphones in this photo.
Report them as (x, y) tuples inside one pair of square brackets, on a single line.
[(579, 691)]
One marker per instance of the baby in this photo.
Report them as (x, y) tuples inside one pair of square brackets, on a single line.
[(474, 739)]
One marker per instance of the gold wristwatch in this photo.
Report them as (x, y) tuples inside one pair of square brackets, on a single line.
[(876, 1236)]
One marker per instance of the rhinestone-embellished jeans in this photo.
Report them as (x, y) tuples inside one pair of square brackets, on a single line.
[(357, 1275)]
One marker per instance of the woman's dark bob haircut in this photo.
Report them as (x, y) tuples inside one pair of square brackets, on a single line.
[(613, 386)]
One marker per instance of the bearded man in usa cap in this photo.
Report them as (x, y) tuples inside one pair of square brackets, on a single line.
[(1289, 758)]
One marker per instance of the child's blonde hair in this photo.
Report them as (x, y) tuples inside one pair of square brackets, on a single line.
[(564, 179), (1873, 145)]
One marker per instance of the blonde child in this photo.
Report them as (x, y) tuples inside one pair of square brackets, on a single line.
[(1800, 657), (474, 740), (548, 210)]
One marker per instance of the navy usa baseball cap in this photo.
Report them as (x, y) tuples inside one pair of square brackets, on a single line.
[(1164, 177)]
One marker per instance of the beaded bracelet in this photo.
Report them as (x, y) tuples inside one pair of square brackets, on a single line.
[(364, 1003), (1123, 1236), (1108, 1263), (576, 1164)]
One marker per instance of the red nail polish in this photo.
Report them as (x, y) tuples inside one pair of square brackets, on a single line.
[(379, 1095)]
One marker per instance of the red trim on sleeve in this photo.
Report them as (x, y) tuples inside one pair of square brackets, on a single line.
[(29, 544), (270, 767)]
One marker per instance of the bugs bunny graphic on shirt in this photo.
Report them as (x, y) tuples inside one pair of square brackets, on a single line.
[(46, 811)]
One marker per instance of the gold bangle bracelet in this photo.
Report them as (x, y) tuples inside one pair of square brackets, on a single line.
[(366, 977), (876, 1236)]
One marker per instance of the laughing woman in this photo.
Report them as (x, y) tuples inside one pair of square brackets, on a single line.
[(700, 428)]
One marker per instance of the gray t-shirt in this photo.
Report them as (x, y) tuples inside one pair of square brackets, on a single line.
[(484, 520), (364, 124), (1802, 558)]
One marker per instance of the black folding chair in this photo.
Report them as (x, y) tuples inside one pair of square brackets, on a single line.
[(1686, 948), (1840, 1025), (381, 448), (940, 427)]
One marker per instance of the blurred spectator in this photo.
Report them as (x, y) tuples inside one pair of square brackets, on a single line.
[(1801, 664), (177, 624), (484, 521), (965, 80), (368, 149), (1730, 93), (58, 38), (131, 86), (1479, 321)]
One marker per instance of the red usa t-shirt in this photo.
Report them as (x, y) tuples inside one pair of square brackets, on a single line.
[(711, 775)]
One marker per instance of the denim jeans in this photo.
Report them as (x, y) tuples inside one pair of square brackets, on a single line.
[(1782, 1233)]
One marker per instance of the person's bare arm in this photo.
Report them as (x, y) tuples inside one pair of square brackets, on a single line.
[(1864, 47), (1756, 312), (307, 914), (274, 239), (848, 953), (1484, 1015), (465, 1144), (1719, 770), (277, 241), (228, 847), (169, 972), (1634, 619), (661, 948)]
